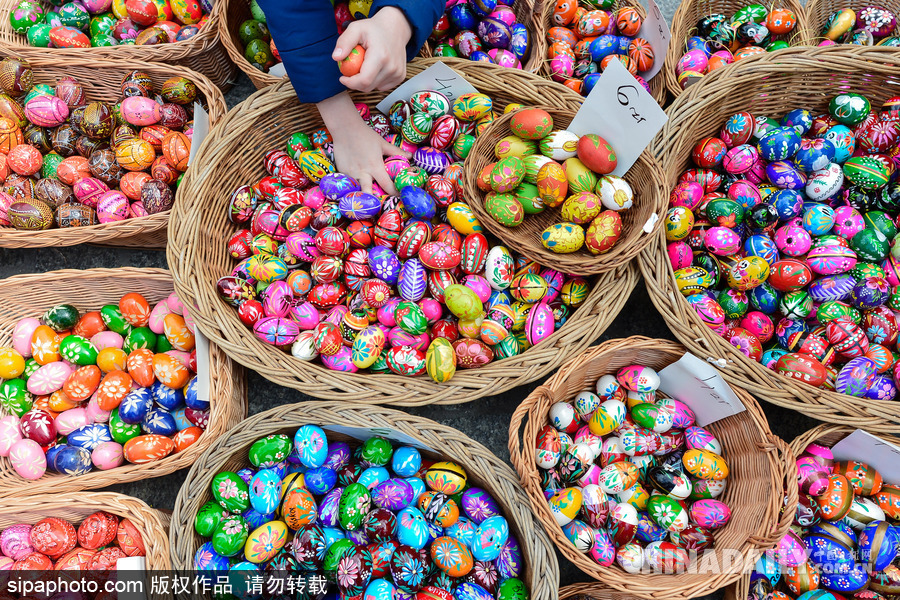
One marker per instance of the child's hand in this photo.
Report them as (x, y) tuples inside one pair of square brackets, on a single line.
[(384, 36)]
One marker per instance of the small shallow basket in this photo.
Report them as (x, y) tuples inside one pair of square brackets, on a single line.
[(649, 207), (760, 464), (437, 442), (765, 85), (103, 81), (684, 25), (233, 13), (31, 295), (202, 53), (152, 524), (818, 11), (232, 155), (657, 83), (529, 14)]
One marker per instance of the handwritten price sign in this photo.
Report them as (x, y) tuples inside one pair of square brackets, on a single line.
[(698, 384), (656, 31), (438, 77)]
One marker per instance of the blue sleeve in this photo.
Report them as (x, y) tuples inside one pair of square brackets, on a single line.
[(422, 15), (305, 34)]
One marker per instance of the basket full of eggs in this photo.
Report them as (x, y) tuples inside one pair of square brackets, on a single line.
[(102, 383), (76, 169), (708, 35), (366, 500), (853, 23), (181, 33), (550, 193), (778, 258), (374, 298), (633, 490), (845, 541), (246, 37)]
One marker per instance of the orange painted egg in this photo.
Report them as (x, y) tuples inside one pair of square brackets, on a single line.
[(186, 437), (73, 169), (129, 538), (113, 389), (603, 232), (532, 123), (864, 479), (59, 402), (82, 383), (89, 325), (147, 448), (140, 367), (170, 371), (44, 345), (837, 498), (564, 12), (177, 332), (888, 498), (111, 359), (353, 62), (552, 185), (135, 309), (176, 148)]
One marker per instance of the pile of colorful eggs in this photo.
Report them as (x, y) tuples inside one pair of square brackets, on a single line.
[(375, 520), (528, 177), (56, 544), (93, 390), (259, 47), (629, 476), (719, 41), (406, 283), (71, 162), (98, 23), (870, 26), (782, 240), (844, 539), (583, 42), (482, 30)]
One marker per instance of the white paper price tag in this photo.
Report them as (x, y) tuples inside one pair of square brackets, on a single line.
[(438, 77), (621, 111), (656, 31), (364, 433), (279, 70), (201, 130), (699, 385), (876, 452), (201, 344)]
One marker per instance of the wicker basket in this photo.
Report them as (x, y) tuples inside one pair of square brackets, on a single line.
[(760, 465), (772, 84), (644, 178), (30, 295), (235, 12), (657, 82), (529, 14), (102, 81), (202, 53), (198, 256), (684, 25), (818, 11), (153, 524), (483, 469)]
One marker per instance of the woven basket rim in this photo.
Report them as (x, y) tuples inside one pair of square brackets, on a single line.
[(488, 470), (120, 231), (224, 328), (823, 405), (770, 448), (227, 388), (582, 262)]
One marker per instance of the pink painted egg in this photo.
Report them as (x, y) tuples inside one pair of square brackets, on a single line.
[(28, 459), (175, 304), (698, 438), (15, 541), (70, 420), (108, 455), (112, 206), (790, 551), (46, 111), (158, 317), (539, 325), (22, 334), (49, 378), (711, 514), (107, 339), (638, 378), (94, 413), (141, 111), (9, 433), (88, 190)]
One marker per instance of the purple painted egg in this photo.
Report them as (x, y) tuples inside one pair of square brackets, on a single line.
[(431, 160), (393, 494), (478, 505), (340, 361), (413, 280), (15, 541), (833, 287), (359, 206), (336, 185), (855, 377), (276, 331), (881, 388), (784, 174), (494, 33), (384, 264)]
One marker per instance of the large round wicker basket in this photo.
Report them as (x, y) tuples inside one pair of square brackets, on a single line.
[(657, 82), (152, 524), (760, 465), (233, 13), (198, 256), (684, 25), (818, 11), (439, 442), (102, 80), (649, 207), (202, 53), (769, 85), (31, 295)]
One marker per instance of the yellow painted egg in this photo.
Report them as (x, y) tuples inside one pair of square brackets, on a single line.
[(608, 417), (514, 146), (581, 208), (111, 359), (12, 364), (552, 185), (507, 174), (580, 178), (470, 328), (471, 107), (266, 541), (315, 165), (563, 238), (691, 280), (533, 164), (367, 347), (512, 106), (446, 477), (565, 505), (704, 464), (440, 360), (679, 222), (462, 220)]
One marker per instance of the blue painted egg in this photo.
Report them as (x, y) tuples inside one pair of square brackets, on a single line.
[(490, 536), (765, 298), (406, 461), (518, 40), (72, 460), (828, 554), (412, 530), (818, 219), (413, 280), (852, 581), (265, 491), (90, 436), (770, 357), (167, 398), (51, 455), (384, 264), (786, 328), (779, 143), (418, 202), (881, 388), (511, 562), (603, 46), (648, 531), (256, 519), (843, 140), (431, 160), (786, 175), (206, 559), (878, 545), (478, 505), (799, 118), (336, 185), (418, 486), (471, 591), (762, 246), (788, 203), (378, 589), (181, 420), (696, 42), (135, 406), (832, 287), (333, 534), (481, 56), (329, 507), (814, 154), (311, 445), (160, 422), (359, 206), (320, 481), (462, 16), (373, 477), (463, 530)]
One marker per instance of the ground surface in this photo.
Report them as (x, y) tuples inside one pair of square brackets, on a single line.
[(485, 420)]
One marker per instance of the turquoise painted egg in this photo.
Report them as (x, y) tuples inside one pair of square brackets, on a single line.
[(844, 142), (311, 446), (265, 491), (490, 536), (412, 529)]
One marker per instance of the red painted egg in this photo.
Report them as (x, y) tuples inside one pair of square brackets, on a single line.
[(186, 437), (78, 559), (471, 353), (53, 537), (789, 275), (129, 539), (802, 367), (147, 448), (474, 253), (439, 256), (98, 530), (413, 237), (82, 383), (597, 154)]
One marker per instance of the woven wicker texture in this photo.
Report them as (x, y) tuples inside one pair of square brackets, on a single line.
[(202, 53), (74, 508), (529, 14), (31, 295), (759, 461), (684, 25), (657, 83), (483, 468), (818, 11), (649, 199), (765, 85), (102, 80), (197, 253), (235, 12)]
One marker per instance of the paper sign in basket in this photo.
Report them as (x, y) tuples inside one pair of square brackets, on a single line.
[(279, 70), (438, 77), (623, 113), (876, 452), (656, 31), (697, 383), (201, 345), (201, 130), (364, 433)]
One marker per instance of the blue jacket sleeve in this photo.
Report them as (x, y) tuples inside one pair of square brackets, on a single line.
[(422, 15)]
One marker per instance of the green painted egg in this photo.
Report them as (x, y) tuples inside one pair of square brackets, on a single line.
[(777, 45), (752, 12), (102, 24), (876, 219), (253, 29), (333, 556), (831, 310), (79, 350), (462, 145), (528, 196), (31, 366), (256, 11), (734, 303), (446, 50), (162, 344), (230, 491), (24, 15), (725, 212), (411, 318), (230, 536), (850, 108), (508, 346), (138, 338), (507, 174), (866, 172), (463, 301), (208, 518), (15, 397), (39, 35), (512, 589), (504, 209), (512, 145), (376, 451), (61, 317), (259, 52), (266, 452), (297, 143), (104, 40), (73, 15), (410, 177), (353, 506), (440, 360), (50, 165), (113, 319), (120, 430), (667, 513), (563, 238), (796, 305), (39, 89), (864, 270), (870, 244), (417, 127)]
